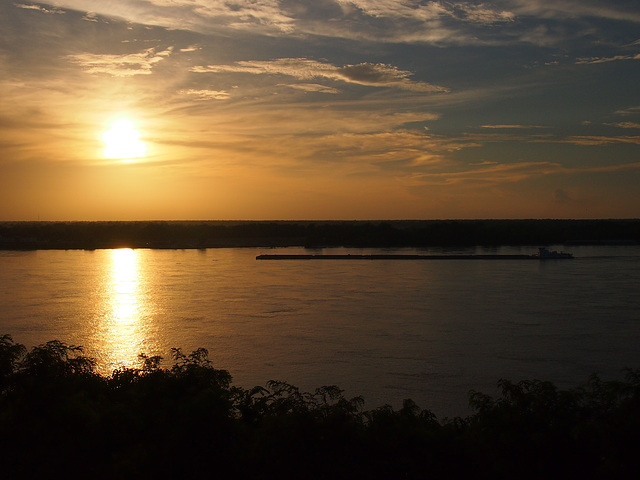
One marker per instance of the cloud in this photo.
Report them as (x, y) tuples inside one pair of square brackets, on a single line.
[(624, 124), (205, 16), (294, 16), (629, 111), (441, 23), (368, 74), (486, 174), (312, 87), (39, 8), (512, 126), (500, 22), (593, 140), (572, 9), (206, 94), (385, 76), (380, 21), (495, 174), (126, 65), (337, 154), (398, 152), (254, 118), (425, 11), (616, 58), (91, 17), (582, 140)]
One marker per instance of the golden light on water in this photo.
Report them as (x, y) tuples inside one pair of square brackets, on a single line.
[(125, 284), (125, 329)]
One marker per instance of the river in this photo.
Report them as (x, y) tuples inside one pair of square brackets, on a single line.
[(385, 329)]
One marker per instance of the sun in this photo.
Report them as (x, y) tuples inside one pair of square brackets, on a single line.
[(122, 141)]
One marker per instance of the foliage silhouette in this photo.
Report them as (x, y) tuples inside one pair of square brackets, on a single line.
[(59, 417)]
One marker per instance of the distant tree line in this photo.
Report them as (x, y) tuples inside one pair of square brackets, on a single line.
[(59, 418), (315, 234)]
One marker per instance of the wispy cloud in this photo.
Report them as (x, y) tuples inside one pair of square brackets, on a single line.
[(312, 87), (368, 74), (624, 124), (500, 173), (39, 8), (126, 65), (258, 119), (629, 111), (206, 94), (616, 58), (91, 17), (601, 140), (571, 9), (500, 127), (411, 21), (425, 11), (487, 174), (266, 16)]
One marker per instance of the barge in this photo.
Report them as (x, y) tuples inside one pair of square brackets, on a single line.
[(543, 254)]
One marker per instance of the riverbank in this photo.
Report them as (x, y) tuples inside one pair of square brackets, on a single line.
[(315, 234)]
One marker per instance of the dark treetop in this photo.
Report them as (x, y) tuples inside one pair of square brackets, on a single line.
[(58, 418)]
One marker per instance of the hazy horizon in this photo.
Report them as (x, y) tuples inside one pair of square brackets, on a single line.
[(327, 109)]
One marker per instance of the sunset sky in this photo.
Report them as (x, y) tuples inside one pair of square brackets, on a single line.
[(319, 109)]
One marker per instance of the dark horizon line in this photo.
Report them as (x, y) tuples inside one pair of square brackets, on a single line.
[(317, 220), (314, 234)]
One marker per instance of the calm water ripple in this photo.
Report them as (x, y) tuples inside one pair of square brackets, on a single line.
[(388, 330)]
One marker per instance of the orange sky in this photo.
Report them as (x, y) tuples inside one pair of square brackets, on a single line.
[(337, 109)]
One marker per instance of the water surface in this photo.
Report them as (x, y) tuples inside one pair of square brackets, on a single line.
[(388, 330)]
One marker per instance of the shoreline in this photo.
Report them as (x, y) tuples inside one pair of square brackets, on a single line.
[(315, 234)]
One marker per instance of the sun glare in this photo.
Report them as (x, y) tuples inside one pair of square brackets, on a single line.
[(122, 141)]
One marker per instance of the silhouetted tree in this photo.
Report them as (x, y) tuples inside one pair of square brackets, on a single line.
[(57, 416)]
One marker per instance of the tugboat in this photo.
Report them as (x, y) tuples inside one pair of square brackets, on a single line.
[(544, 254)]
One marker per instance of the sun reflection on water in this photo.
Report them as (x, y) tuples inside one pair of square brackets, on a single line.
[(124, 329)]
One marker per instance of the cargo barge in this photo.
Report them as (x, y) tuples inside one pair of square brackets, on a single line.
[(543, 254)]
